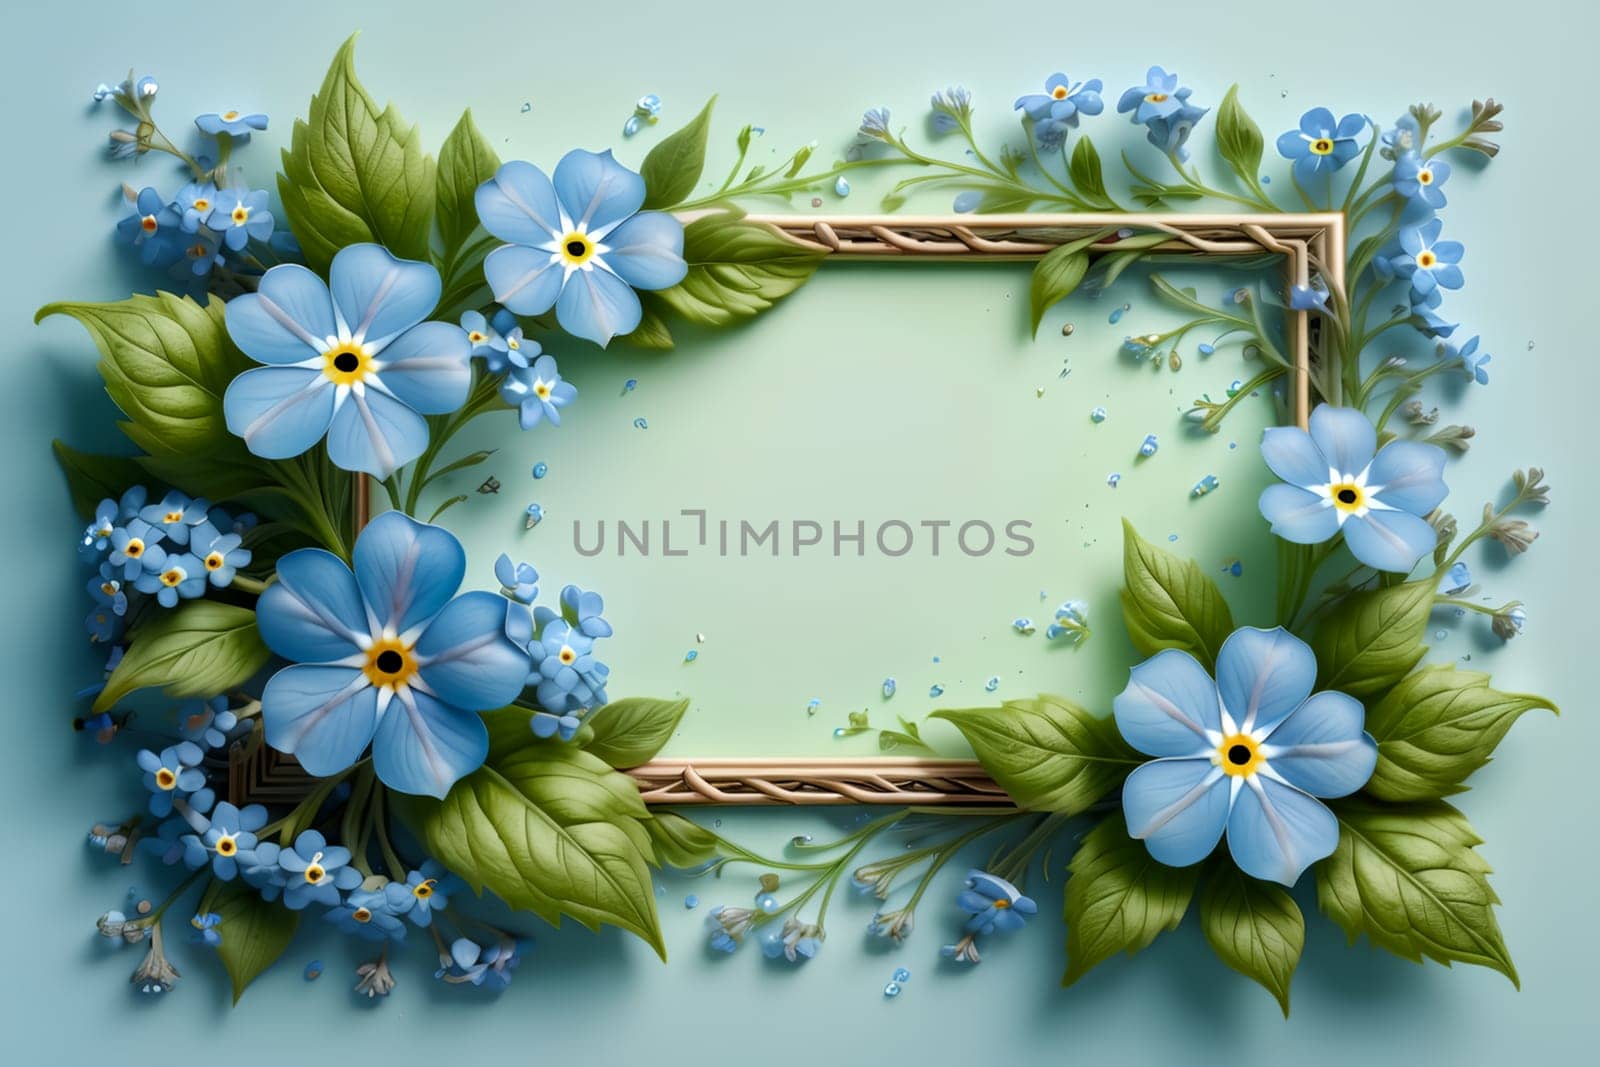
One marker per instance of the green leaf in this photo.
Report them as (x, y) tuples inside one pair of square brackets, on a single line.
[(1254, 927), (166, 361), (1408, 877), (679, 842), (652, 331), (1087, 174), (548, 829), (354, 173), (92, 478), (1119, 898), (255, 932), (631, 731), (737, 269), (1169, 602), (1047, 752), (1373, 639), (198, 649), (672, 168), (1239, 138), (466, 161), (1055, 276), (1437, 727)]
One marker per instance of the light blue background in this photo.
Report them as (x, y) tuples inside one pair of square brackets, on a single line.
[(804, 73)]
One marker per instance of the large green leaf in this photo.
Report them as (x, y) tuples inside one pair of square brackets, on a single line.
[(548, 829), (92, 478), (254, 932), (1438, 726), (672, 168), (1047, 752), (1255, 927), (1088, 175), (166, 361), (1239, 138), (354, 173), (1371, 641), (631, 731), (1119, 898), (680, 842), (201, 648), (1408, 877), (737, 269), (1169, 602), (1055, 276), (466, 161)]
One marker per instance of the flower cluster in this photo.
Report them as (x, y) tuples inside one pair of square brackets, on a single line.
[(567, 681), (157, 552)]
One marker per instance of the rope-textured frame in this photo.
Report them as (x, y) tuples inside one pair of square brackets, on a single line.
[(1310, 244)]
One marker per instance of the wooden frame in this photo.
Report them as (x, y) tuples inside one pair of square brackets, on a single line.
[(1311, 244)]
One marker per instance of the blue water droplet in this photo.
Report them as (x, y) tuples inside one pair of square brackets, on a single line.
[(838, 731), (1172, 537), (1113, 480), (540, 470), (1149, 446), (1023, 625), (1097, 415), (841, 187), (812, 705), (630, 127), (630, 385), (532, 516), (892, 990), (767, 902), (691, 902), (691, 655), (800, 839), (313, 970), (967, 201), (1266, 179), (902, 975), (1116, 315), (992, 684), (1440, 635), (888, 688), (640, 423), (936, 690), (1207, 349)]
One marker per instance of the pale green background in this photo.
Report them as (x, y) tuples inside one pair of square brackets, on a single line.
[(806, 73)]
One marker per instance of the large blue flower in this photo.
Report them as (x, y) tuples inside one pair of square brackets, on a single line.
[(351, 359), (1321, 144), (1059, 107), (1339, 480), (1247, 754), (578, 243), (1163, 108), (1429, 262), (387, 655)]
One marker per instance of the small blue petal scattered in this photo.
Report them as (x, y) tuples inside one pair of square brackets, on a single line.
[(1113, 480), (1097, 415), (532, 516), (888, 688), (313, 970), (812, 705), (1148, 447), (902, 975), (691, 902), (892, 990), (992, 684), (540, 470), (640, 423), (629, 386), (936, 690), (1205, 485), (1023, 626), (691, 655)]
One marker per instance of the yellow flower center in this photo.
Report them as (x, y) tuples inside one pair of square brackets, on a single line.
[(214, 561), (134, 548), (346, 364), (166, 779), (390, 663), (229, 116), (1002, 904), (1239, 755), (576, 248), (1322, 146), (198, 250), (241, 215), (362, 915), (314, 873), (513, 344), (1426, 260), (566, 655), (477, 338), (109, 588), (1348, 496), (424, 889), (1157, 98), (1059, 92), (541, 390), (172, 577), (226, 846), (1425, 176), (172, 517), (149, 224), (202, 204)]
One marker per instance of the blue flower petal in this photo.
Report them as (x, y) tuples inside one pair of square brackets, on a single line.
[(646, 251), (1292, 145), (1389, 540), (465, 656), (1318, 122), (1345, 436), (1168, 706), (407, 570), (1263, 675), (279, 411), (424, 746), (597, 305), (373, 432), (1293, 456), (376, 295), (1275, 831), (1178, 807), (428, 368), (323, 716), (1321, 748), (1298, 515), (596, 191), (287, 319), (519, 205), (526, 280), (313, 613), (1409, 475)]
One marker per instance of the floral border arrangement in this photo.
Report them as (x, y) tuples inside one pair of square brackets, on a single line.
[(465, 740)]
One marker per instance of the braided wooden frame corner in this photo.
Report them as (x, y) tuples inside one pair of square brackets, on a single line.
[(1310, 244)]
